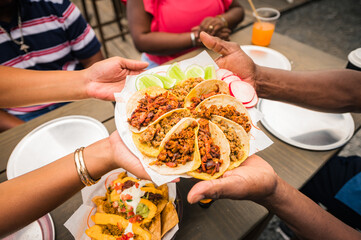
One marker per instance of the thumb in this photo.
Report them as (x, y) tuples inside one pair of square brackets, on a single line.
[(217, 45), (209, 189), (132, 64)]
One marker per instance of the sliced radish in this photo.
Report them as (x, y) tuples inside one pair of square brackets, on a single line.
[(231, 78), (162, 73), (223, 73), (252, 103), (242, 91)]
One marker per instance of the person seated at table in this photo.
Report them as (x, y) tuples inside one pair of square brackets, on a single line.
[(164, 30), (337, 185), (43, 35)]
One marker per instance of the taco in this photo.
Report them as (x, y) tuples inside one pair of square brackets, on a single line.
[(224, 106), (182, 89), (147, 105), (132, 208), (178, 150), (148, 141), (213, 149), (205, 90), (237, 137)]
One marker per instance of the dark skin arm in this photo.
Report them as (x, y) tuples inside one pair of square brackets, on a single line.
[(162, 43), (330, 91)]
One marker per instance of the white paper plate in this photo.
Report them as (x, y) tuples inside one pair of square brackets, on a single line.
[(305, 128), (267, 57), (53, 140)]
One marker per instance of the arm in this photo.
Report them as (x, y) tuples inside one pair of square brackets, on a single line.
[(20, 87), (256, 180), (332, 90), (87, 62), (160, 43), (32, 195), (8, 121)]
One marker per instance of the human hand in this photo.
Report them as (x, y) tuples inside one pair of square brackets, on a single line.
[(106, 77), (123, 158), (224, 34), (233, 58), (211, 25), (254, 180)]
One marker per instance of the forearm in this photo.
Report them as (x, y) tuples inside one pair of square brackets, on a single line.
[(32, 195), (162, 43), (331, 91), (234, 15), (304, 217), (20, 87)]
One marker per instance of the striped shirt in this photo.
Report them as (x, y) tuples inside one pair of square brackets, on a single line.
[(57, 34)]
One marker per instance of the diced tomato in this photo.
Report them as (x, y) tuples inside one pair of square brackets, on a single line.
[(126, 197), (123, 209), (118, 187), (129, 214), (136, 218), (136, 185), (130, 235)]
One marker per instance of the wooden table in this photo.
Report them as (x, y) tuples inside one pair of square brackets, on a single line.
[(225, 219)]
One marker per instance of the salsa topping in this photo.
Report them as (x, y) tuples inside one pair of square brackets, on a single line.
[(150, 109), (233, 139), (210, 153), (155, 133), (179, 148), (228, 112), (182, 90)]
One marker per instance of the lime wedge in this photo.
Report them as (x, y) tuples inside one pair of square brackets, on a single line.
[(210, 72), (146, 81), (174, 72), (167, 82), (195, 71)]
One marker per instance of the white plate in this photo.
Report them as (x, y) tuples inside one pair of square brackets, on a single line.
[(267, 57), (53, 140), (305, 128), (45, 144), (43, 228)]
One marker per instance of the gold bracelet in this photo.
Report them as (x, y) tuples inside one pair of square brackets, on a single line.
[(223, 20), (81, 168)]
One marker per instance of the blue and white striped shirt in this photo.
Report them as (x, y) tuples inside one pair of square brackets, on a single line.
[(55, 31)]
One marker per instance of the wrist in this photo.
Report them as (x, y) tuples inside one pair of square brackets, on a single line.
[(276, 197), (99, 159), (259, 79), (84, 79)]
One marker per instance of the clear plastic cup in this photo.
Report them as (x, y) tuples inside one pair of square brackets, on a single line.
[(263, 29)]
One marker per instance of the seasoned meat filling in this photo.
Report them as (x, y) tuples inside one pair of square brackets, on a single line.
[(182, 90), (228, 111), (110, 229), (210, 153), (179, 148), (197, 100), (150, 109), (155, 133), (233, 139)]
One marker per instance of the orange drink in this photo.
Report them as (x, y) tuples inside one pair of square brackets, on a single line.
[(264, 26), (262, 33)]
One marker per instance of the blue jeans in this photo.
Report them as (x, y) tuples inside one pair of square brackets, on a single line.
[(31, 115), (145, 58)]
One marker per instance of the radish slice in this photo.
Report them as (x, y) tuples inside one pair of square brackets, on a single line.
[(223, 73), (231, 78), (162, 73), (242, 91), (252, 103)]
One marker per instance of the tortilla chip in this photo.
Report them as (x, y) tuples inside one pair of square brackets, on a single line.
[(161, 205), (164, 189), (169, 218), (122, 175), (98, 200), (155, 228)]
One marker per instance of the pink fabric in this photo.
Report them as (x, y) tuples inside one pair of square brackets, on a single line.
[(24, 110), (179, 16)]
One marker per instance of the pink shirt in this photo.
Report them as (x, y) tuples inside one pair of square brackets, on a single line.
[(179, 16)]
